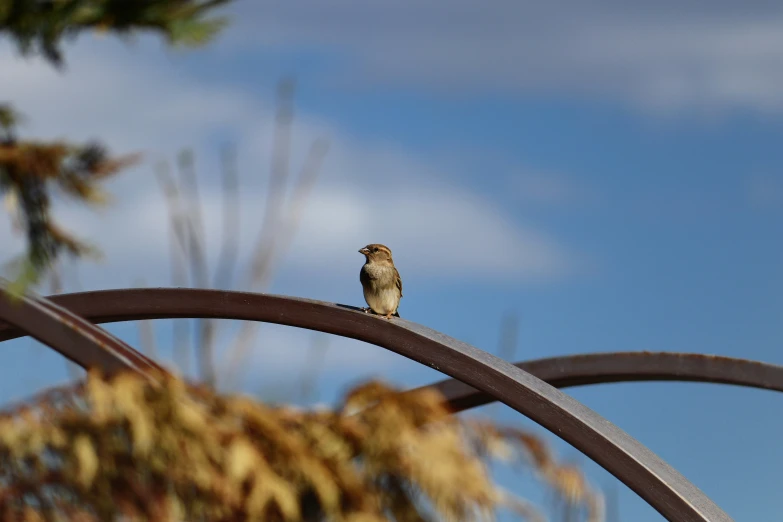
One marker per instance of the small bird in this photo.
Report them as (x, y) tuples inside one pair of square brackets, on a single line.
[(380, 281)]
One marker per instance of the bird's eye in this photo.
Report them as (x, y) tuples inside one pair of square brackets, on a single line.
[(375, 249)]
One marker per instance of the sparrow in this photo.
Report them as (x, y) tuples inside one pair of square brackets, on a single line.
[(380, 281)]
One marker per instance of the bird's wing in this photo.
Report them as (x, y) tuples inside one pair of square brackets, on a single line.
[(398, 280)]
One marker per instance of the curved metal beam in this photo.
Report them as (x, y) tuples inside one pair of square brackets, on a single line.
[(79, 340), (561, 372), (659, 484), (601, 368)]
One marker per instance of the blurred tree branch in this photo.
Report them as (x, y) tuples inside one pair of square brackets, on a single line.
[(29, 168), (40, 25)]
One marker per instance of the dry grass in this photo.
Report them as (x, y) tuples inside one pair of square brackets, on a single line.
[(125, 449)]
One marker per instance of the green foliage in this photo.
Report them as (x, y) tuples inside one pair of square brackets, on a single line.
[(40, 25)]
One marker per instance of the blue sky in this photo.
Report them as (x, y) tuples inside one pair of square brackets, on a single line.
[(610, 174)]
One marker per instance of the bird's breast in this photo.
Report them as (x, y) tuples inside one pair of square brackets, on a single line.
[(378, 273), (380, 288)]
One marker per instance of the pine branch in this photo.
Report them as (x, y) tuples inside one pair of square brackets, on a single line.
[(39, 26)]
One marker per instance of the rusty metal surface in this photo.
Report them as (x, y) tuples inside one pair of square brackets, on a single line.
[(600, 368), (644, 472), (71, 335)]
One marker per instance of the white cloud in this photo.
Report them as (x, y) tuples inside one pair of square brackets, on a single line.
[(131, 98), (439, 231), (661, 55), (368, 191), (443, 232)]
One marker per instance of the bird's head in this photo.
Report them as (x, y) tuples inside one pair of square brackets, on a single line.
[(377, 253)]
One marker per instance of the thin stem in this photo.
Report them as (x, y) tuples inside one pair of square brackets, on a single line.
[(177, 253), (224, 274)]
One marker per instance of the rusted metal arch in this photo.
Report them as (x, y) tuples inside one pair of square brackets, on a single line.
[(655, 481), (601, 368)]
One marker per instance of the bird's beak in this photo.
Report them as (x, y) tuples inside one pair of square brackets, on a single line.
[(364, 251)]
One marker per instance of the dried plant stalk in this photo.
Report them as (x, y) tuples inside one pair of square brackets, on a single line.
[(177, 257), (268, 253), (121, 448), (196, 254), (229, 249)]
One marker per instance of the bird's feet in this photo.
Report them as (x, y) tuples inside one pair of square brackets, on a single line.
[(368, 310)]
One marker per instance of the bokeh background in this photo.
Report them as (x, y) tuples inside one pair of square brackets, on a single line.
[(552, 178)]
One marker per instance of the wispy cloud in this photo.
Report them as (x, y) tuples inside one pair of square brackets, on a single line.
[(661, 55), (368, 191), (129, 97)]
